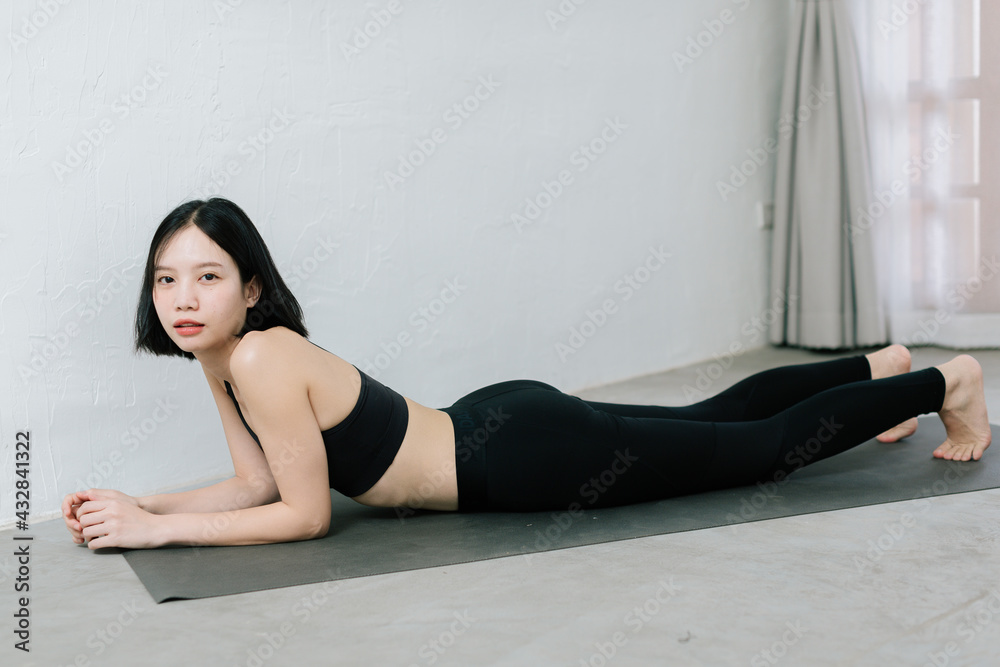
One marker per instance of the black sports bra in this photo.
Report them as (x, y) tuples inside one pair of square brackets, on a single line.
[(362, 447)]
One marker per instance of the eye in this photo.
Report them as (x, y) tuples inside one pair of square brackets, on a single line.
[(210, 276), (161, 280)]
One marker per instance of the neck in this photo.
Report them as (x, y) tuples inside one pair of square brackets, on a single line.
[(216, 360)]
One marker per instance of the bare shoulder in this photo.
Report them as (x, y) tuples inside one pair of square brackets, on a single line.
[(261, 348), (278, 367), (281, 355)]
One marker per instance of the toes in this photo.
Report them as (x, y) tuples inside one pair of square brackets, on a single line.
[(952, 452), (944, 451)]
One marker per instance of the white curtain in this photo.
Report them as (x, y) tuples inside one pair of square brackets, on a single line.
[(822, 262), (931, 89)]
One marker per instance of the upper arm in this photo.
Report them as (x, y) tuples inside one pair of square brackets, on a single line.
[(275, 391), (249, 462)]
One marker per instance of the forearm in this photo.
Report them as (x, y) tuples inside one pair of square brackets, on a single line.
[(230, 494), (266, 524)]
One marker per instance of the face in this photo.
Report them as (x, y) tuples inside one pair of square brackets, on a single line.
[(199, 297)]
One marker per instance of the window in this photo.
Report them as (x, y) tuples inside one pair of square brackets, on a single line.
[(954, 167)]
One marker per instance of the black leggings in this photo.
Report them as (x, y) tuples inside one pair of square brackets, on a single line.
[(523, 445)]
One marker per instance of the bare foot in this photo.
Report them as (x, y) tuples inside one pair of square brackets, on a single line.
[(964, 411), (897, 433), (889, 361)]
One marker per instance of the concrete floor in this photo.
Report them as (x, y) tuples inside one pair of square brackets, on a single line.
[(787, 591)]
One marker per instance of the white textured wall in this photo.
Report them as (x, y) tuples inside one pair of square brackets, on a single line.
[(112, 113)]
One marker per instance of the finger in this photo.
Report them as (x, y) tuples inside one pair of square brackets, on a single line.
[(69, 502), (101, 541), (81, 500), (74, 509), (89, 507), (72, 524), (93, 494), (92, 518), (95, 530)]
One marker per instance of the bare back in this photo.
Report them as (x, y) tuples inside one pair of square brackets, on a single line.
[(423, 471)]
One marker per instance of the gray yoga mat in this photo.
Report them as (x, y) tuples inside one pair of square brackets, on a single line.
[(364, 541)]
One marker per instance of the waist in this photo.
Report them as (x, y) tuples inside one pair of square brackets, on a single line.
[(423, 471)]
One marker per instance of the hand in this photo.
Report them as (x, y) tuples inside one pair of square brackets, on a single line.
[(70, 505), (72, 502), (107, 494), (109, 518)]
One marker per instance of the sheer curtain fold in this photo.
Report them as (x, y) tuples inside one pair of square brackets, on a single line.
[(930, 83), (823, 262)]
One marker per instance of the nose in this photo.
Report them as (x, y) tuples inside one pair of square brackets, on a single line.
[(184, 296)]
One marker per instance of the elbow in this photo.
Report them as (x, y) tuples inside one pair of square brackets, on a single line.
[(316, 528), (307, 521), (313, 525)]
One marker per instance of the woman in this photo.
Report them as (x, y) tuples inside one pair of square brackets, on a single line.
[(300, 420)]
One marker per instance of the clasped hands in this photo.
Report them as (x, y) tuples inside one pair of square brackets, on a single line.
[(109, 518)]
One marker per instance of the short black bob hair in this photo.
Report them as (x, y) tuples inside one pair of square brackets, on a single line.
[(226, 224)]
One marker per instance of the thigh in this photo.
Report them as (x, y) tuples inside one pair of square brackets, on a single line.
[(631, 410), (554, 450)]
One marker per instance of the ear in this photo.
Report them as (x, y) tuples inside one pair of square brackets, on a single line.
[(251, 291)]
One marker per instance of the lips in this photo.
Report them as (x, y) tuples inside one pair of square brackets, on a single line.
[(188, 327)]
